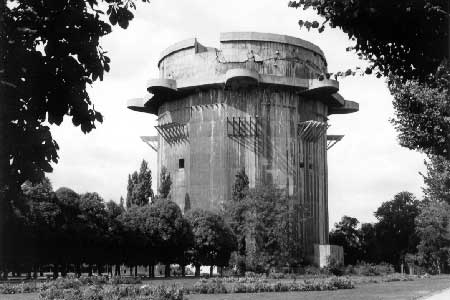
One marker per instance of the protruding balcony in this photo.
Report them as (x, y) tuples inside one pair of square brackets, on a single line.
[(162, 86), (241, 78), (321, 88), (137, 104), (346, 108)]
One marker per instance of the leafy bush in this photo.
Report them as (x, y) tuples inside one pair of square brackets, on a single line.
[(384, 278), (209, 286), (63, 283), (112, 292), (125, 280), (313, 270), (262, 284), (398, 277), (278, 275), (367, 269), (335, 267), (24, 287), (93, 279)]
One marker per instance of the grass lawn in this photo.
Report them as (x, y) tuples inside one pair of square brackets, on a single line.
[(388, 290)]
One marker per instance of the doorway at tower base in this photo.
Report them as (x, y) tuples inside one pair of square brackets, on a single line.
[(325, 254)]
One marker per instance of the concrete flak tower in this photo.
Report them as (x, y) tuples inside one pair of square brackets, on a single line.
[(258, 102)]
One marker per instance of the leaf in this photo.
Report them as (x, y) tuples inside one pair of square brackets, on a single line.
[(113, 17)]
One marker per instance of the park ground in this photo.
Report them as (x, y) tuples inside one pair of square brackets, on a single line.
[(417, 289)]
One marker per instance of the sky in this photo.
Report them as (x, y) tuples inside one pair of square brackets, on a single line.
[(366, 168)]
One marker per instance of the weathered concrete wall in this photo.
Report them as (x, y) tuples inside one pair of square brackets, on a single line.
[(264, 101)]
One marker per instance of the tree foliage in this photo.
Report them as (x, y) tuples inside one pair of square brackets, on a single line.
[(165, 183), (236, 210), (437, 179), (50, 53), (404, 38), (422, 113), (432, 223), (263, 221), (346, 234), (433, 229), (389, 240), (270, 225), (395, 226), (408, 42), (214, 240), (139, 188), (240, 186)]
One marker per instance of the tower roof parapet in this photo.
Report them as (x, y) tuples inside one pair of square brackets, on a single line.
[(244, 59)]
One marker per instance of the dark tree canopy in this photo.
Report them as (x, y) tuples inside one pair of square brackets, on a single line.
[(437, 179), (67, 196), (422, 113), (213, 239), (408, 42), (50, 52), (432, 226), (346, 234), (40, 190), (404, 38), (395, 226)]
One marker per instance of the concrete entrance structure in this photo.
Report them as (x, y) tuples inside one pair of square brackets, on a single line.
[(257, 102)]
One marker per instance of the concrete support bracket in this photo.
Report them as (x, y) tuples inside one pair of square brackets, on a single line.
[(173, 132), (152, 141), (311, 131), (333, 140)]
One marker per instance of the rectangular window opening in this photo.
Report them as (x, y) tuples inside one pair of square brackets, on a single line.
[(181, 163)]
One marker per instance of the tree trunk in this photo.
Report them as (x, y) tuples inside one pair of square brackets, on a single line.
[(183, 270), (99, 270), (35, 270), (55, 271), (221, 271), (90, 270), (135, 271), (167, 270), (131, 270), (197, 271), (211, 268), (63, 270), (76, 269)]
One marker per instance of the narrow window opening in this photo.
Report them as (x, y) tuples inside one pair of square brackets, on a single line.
[(181, 163)]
